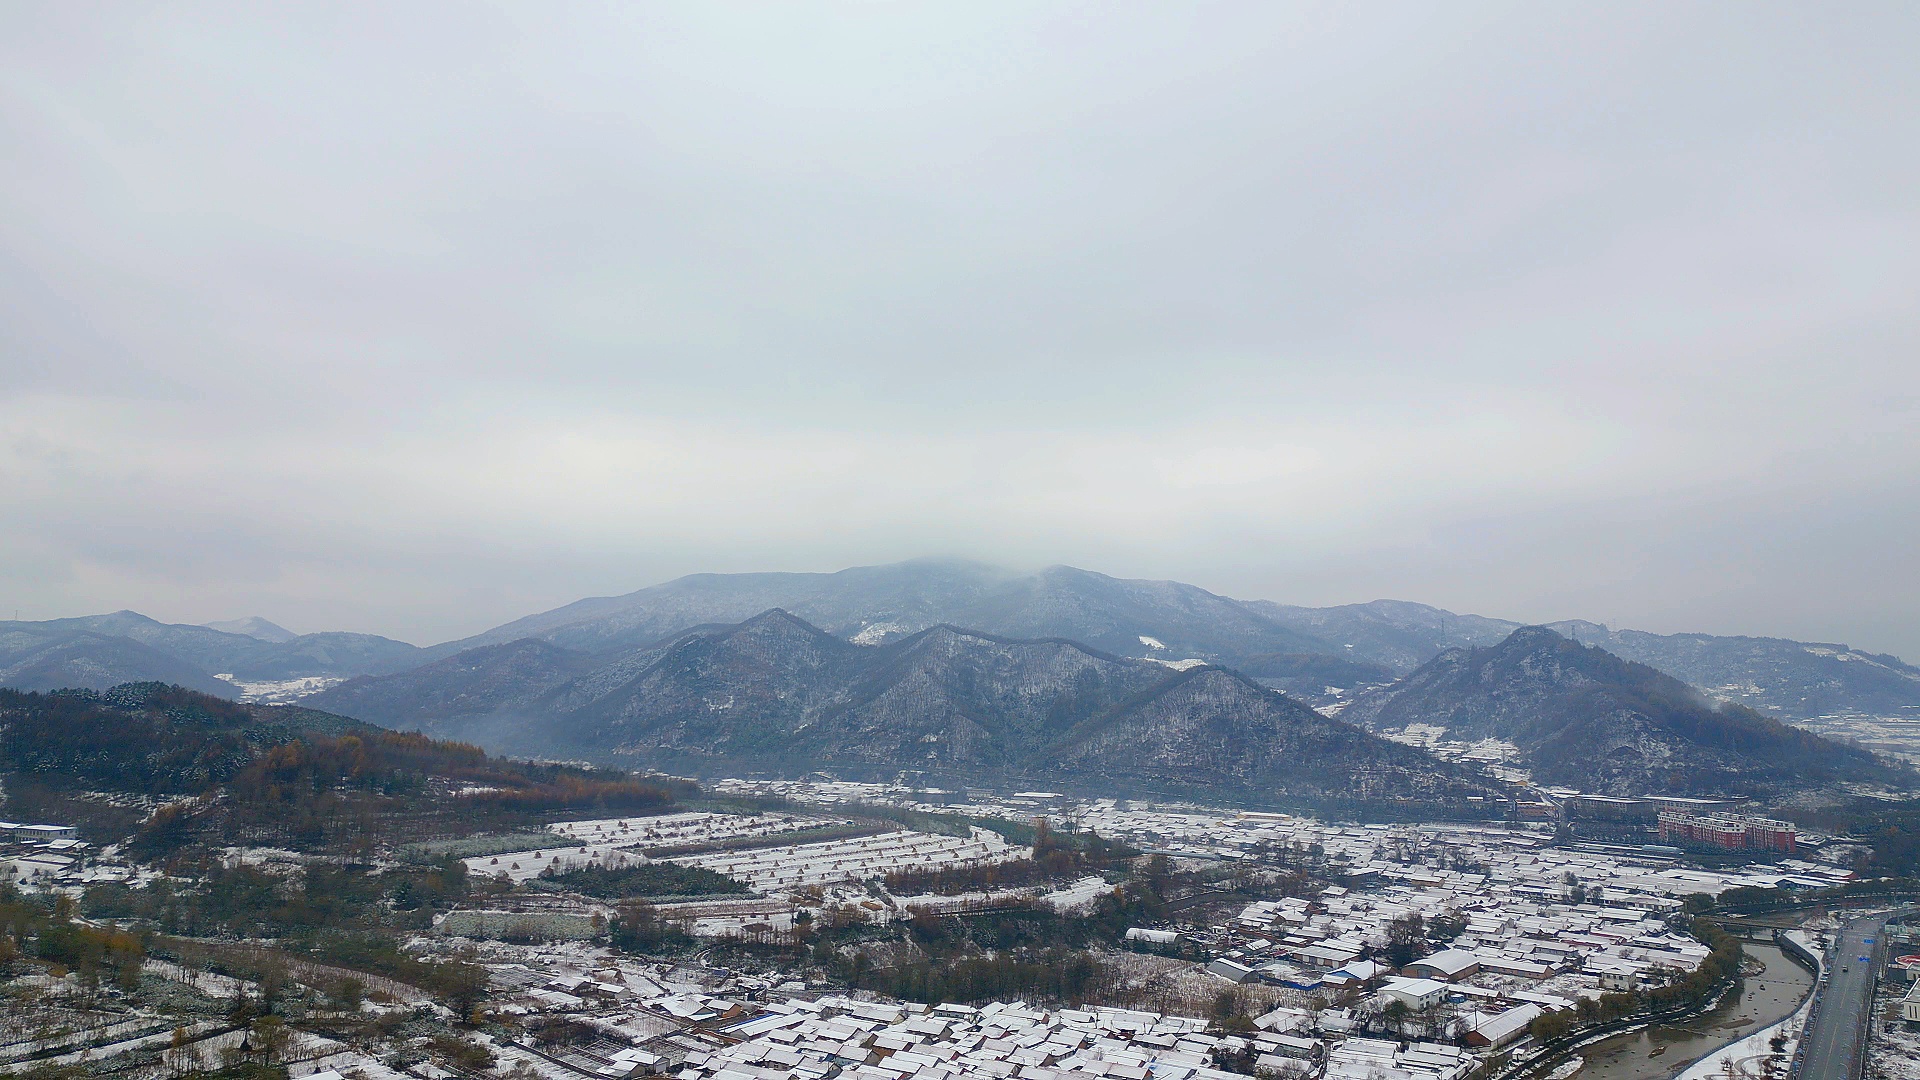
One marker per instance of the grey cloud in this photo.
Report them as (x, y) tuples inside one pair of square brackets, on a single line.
[(353, 307)]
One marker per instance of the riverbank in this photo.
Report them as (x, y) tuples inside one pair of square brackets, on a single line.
[(1764, 1000)]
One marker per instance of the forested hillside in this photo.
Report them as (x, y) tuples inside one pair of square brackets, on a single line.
[(230, 773)]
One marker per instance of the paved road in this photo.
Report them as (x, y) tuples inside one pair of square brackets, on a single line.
[(1835, 1044)]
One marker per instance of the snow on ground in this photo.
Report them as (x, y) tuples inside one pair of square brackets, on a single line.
[(207, 982), (1184, 987), (282, 691), (1077, 898), (518, 866), (511, 1059), (355, 1065), (1893, 1046), (1749, 1055), (692, 827), (1893, 1054), (1152, 643), (877, 633)]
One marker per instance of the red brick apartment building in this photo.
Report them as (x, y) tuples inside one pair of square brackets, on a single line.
[(1726, 832)]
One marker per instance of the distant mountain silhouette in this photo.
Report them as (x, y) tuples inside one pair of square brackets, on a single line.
[(1797, 679), (84, 660), (98, 651), (254, 626), (1585, 718)]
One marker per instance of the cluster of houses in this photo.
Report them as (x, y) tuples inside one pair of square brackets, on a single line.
[(1505, 927), (34, 857), (1507, 962), (1528, 927), (804, 1038), (651, 1020)]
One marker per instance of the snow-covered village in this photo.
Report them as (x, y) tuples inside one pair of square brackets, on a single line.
[(877, 931), (959, 541)]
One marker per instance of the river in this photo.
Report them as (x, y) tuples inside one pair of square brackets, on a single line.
[(1661, 1052)]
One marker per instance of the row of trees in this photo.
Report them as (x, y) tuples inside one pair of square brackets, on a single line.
[(1690, 991), (42, 928), (1026, 952), (1058, 974), (246, 901), (1055, 855), (335, 915), (649, 879)]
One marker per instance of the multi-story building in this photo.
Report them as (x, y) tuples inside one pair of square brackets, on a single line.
[(1727, 832)]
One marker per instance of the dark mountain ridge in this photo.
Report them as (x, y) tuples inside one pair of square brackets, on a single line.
[(270, 774), (776, 695), (1799, 680), (91, 661), (151, 738), (1585, 718)]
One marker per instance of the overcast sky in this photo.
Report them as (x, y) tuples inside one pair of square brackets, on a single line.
[(416, 318)]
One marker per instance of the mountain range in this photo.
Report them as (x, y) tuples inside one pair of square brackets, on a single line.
[(254, 626), (1585, 718), (1308, 652), (95, 652), (958, 671), (1322, 656), (1798, 680), (871, 604), (777, 695)]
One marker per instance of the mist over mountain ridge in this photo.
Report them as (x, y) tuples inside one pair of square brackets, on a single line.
[(1058, 601), (1297, 649), (1318, 655), (99, 657), (254, 626)]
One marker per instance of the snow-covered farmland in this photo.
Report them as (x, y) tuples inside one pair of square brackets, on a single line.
[(681, 830), (767, 870)]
